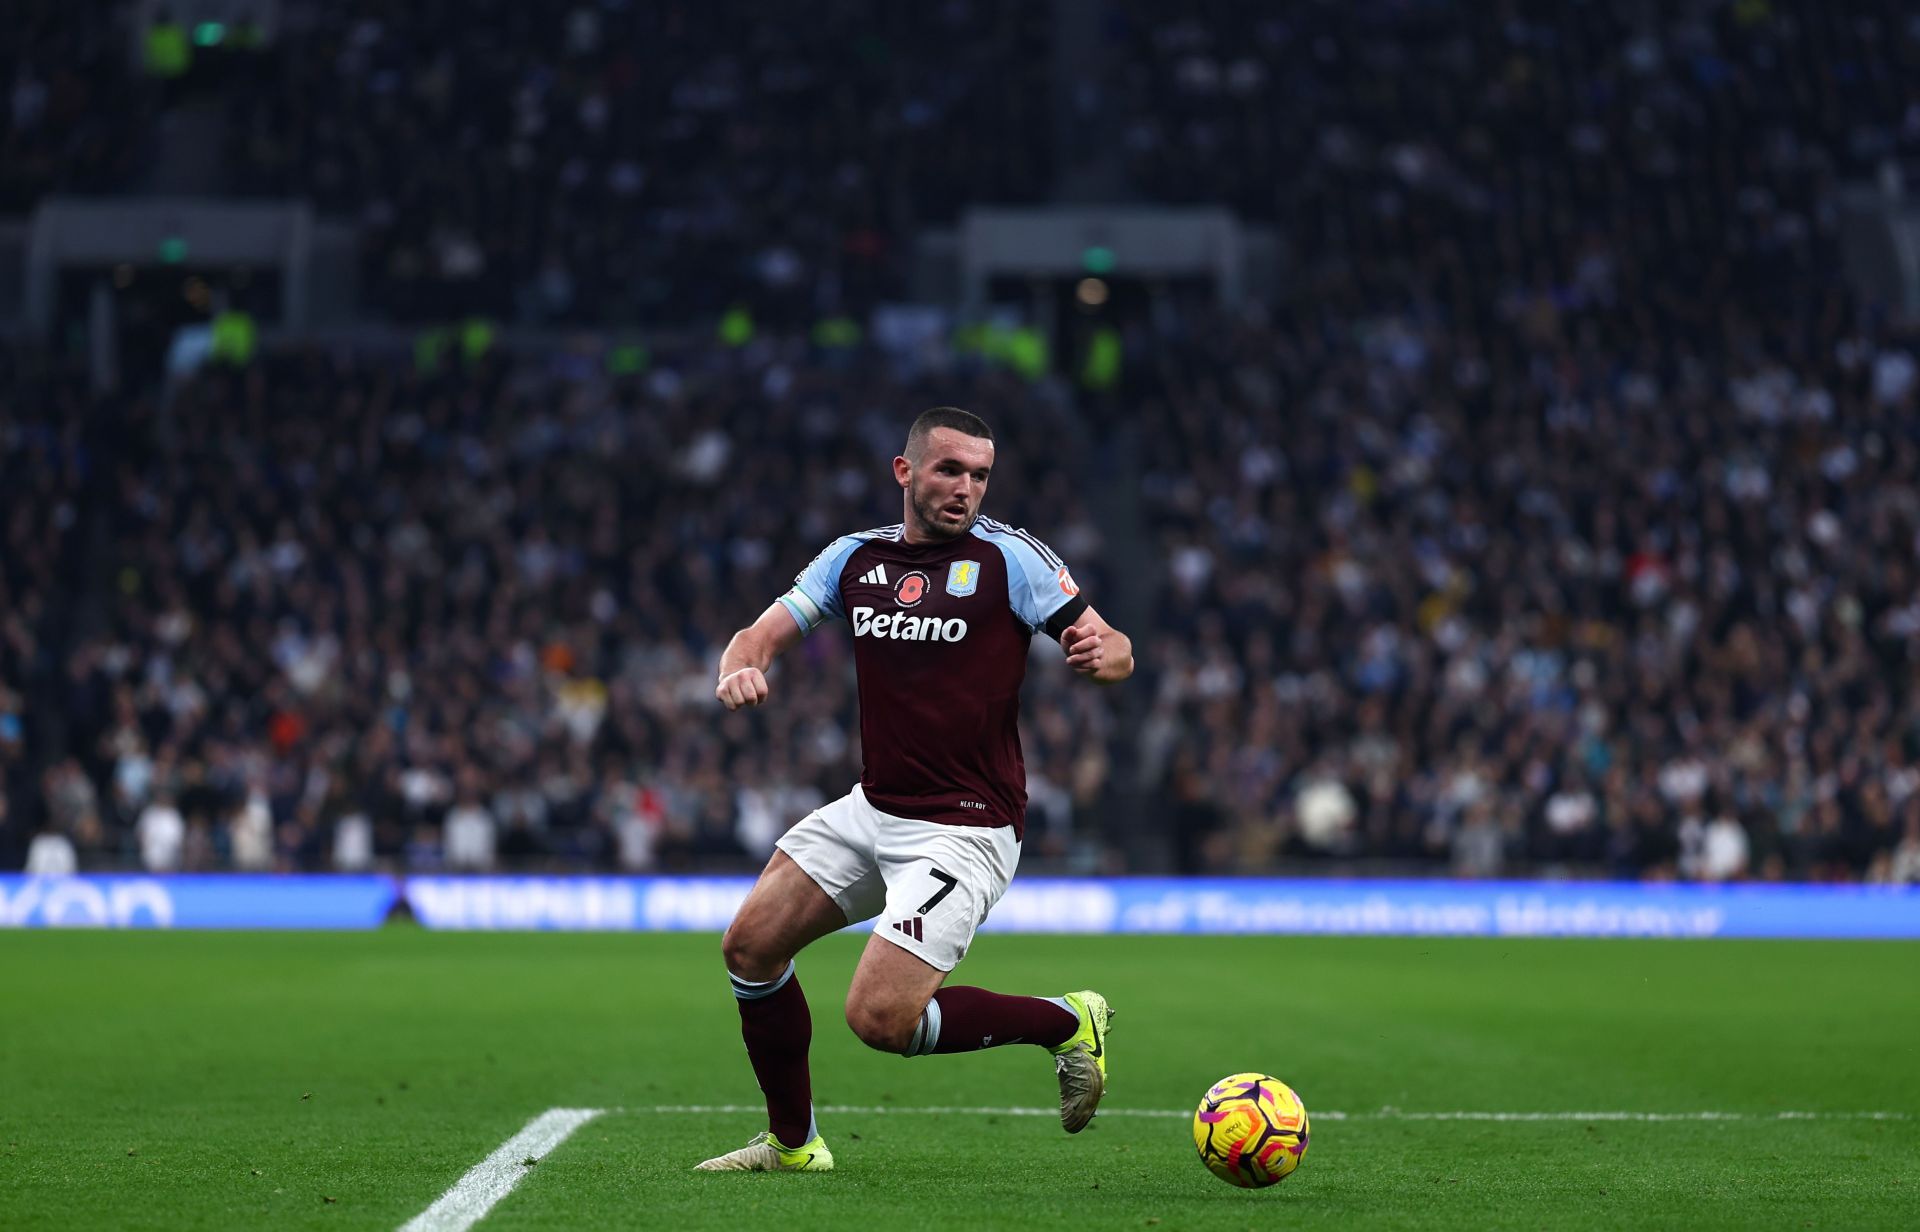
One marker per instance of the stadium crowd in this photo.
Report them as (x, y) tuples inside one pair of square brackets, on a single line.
[(361, 616), (1498, 604), (1563, 515), (1567, 517), (606, 161), (595, 162), (1395, 124), (74, 117)]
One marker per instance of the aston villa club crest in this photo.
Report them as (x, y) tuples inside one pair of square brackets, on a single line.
[(910, 589), (963, 578)]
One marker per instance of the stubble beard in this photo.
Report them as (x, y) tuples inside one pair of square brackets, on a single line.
[(927, 514)]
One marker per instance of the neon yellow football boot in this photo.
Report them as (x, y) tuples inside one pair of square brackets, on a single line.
[(765, 1154), (1081, 1062)]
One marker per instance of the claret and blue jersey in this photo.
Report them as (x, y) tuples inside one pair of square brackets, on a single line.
[(940, 636)]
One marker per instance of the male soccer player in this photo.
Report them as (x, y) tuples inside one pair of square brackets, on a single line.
[(942, 607)]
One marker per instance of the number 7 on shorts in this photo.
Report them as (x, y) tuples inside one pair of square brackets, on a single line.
[(946, 888)]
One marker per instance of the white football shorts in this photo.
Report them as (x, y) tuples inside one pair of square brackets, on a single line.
[(930, 885)]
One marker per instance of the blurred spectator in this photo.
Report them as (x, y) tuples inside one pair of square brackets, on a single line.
[(162, 833), (49, 854), (250, 836), (471, 837), (1478, 844), (353, 844), (1724, 850), (1903, 867)]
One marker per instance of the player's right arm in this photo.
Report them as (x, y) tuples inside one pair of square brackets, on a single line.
[(743, 667), (814, 600)]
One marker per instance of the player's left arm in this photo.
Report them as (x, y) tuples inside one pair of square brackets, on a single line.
[(1046, 598), (1096, 649)]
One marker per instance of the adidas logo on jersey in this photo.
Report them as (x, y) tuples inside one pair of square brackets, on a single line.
[(906, 627), (911, 927), (876, 576)]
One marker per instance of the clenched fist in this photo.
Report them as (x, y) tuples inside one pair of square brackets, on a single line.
[(746, 686), (1086, 653)]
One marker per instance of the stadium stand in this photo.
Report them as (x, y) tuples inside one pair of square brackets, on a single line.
[(1565, 518), (1554, 607), (1393, 126), (1560, 516), (74, 117), (469, 617), (637, 162)]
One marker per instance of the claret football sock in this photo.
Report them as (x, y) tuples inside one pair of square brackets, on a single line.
[(778, 1030), (962, 1019)]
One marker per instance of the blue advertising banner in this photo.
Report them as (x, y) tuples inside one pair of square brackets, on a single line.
[(1228, 905), (619, 904), (1452, 908), (213, 901), (1037, 905)]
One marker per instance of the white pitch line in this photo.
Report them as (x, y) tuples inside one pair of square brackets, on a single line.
[(1384, 1114), (494, 1177)]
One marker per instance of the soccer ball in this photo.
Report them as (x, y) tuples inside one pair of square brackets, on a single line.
[(1251, 1130)]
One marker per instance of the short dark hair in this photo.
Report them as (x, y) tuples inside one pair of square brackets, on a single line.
[(943, 417)]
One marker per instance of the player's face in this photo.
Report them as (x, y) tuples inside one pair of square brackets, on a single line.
[(945, 487)]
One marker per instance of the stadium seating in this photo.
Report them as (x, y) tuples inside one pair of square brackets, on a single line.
[(1562, 520), (369, 610), (73, 116), (1387, 125), (1560, 516), (644, 162), (1560, 609)]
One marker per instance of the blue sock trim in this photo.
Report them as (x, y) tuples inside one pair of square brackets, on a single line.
[(1062, 1003), (927, 1034), (747, 990)]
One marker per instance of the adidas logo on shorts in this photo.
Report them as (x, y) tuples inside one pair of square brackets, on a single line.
[(876, 575), (910, 927)]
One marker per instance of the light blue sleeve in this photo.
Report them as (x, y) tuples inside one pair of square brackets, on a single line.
[(815, 597), (1038, 584)]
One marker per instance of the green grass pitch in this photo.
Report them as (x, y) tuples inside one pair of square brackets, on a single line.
[(156, 1080)]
